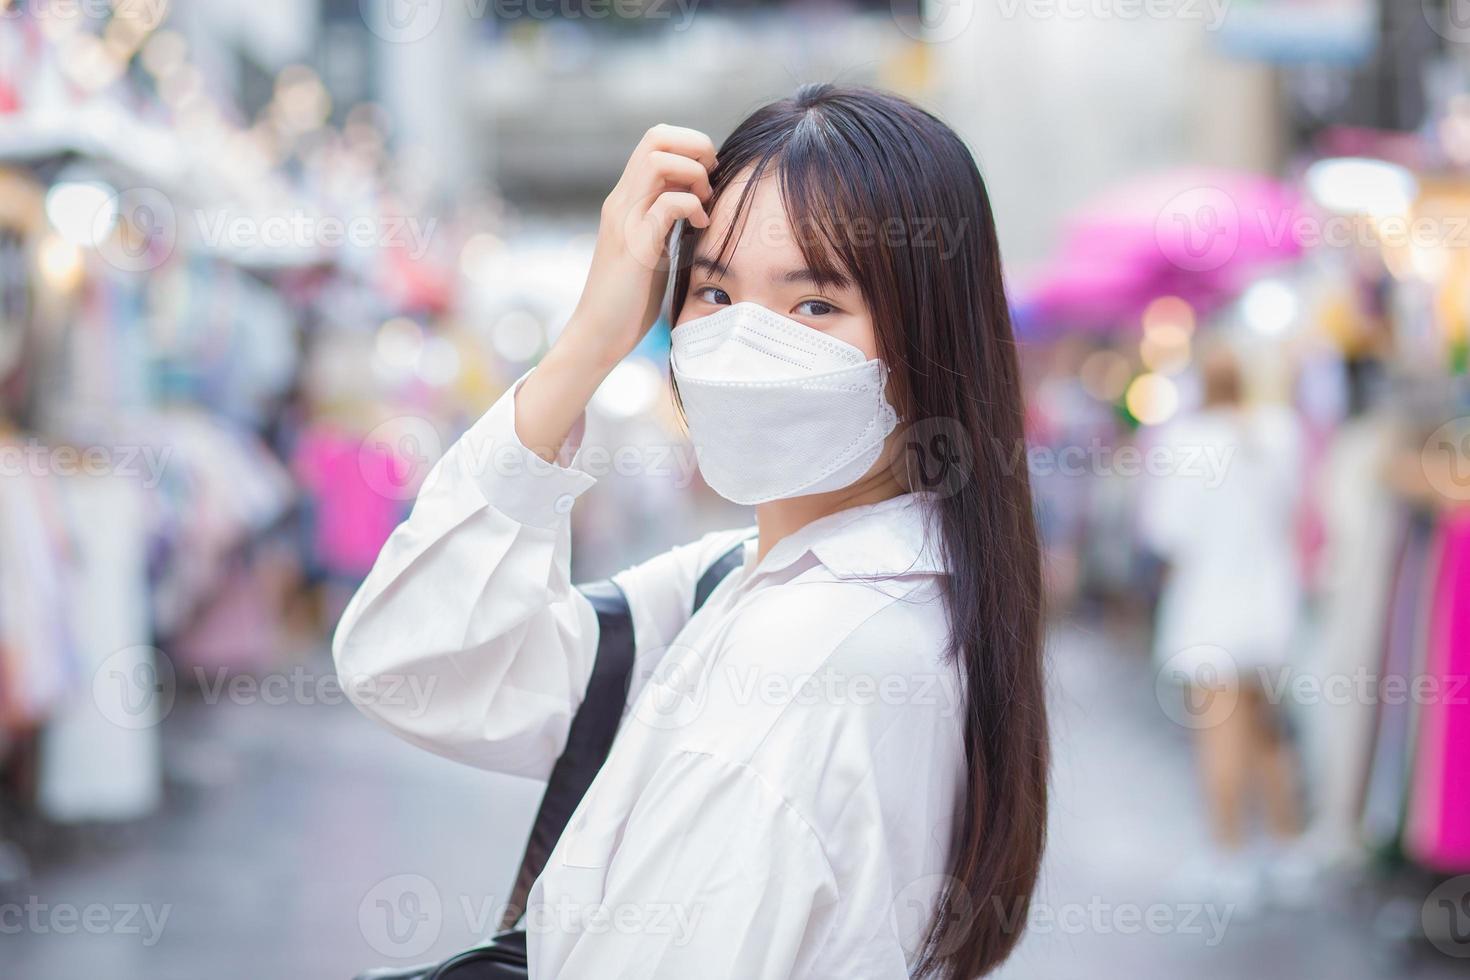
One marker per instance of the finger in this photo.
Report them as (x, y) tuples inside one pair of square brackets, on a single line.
[(670, 206), (678, 139), (668, 170), (648, 228)]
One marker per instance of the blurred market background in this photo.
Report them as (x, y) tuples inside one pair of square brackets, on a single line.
[(261, 262)]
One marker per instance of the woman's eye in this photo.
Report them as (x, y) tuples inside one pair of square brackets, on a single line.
[(714, 295), (815, 307)]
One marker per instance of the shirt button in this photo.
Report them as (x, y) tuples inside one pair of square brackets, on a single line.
[(563, 503)]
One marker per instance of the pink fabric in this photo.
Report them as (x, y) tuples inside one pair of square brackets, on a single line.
[(1438, 832), (353, 483)]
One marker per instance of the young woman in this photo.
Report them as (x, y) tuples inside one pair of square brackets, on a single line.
[(837, 767), (1231, 545)]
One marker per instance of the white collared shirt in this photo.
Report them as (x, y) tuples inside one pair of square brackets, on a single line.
[(782, 790)]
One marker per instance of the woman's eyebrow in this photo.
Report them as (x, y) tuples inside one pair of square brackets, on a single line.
[(835, 279), (721, 270), (714, 267)]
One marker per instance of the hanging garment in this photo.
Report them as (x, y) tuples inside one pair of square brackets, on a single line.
[(1405, 642), (1360, 526), (100, 756), (38, 665), (1437, 834), (220, 488)]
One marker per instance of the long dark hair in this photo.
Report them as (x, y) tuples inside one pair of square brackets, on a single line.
[(878, 189)]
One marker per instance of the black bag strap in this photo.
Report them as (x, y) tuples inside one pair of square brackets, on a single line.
[(717, 573), (595, 724)]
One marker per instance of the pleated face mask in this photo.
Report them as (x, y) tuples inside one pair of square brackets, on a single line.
[(775, 408)]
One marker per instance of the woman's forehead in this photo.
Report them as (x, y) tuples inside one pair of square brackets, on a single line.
[(765, 236)]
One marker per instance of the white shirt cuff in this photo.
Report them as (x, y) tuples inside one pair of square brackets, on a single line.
[(516, 481)]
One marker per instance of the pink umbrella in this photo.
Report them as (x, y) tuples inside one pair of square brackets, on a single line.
[(1200, 234)]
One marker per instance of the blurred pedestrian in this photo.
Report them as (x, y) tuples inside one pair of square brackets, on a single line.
[(1228, 616)]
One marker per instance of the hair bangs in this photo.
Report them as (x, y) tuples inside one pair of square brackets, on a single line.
[(816, 175)]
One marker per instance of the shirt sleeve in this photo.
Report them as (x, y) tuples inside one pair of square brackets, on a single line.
[(467, 637), (716, 876)]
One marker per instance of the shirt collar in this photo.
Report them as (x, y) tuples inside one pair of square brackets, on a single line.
[(896, 536)]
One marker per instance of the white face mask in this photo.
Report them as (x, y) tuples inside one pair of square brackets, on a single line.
[(777, 409)]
